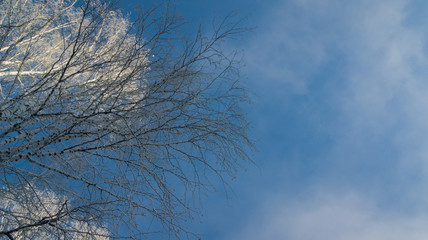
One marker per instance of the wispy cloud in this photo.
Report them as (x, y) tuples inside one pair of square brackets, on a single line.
[(289, 47), (334, 217), (372, 56)]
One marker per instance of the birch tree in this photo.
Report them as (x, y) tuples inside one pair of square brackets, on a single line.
[(128, 121), (56, 219)]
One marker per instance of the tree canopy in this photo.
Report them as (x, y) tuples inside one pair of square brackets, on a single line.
[(105, 122)]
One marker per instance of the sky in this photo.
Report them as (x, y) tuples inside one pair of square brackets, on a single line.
[(340, 119)]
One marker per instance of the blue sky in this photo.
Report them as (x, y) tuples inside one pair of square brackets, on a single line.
[(340, 116)]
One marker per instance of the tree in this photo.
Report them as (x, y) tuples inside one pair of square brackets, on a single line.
[(56, 221), (126, 120)]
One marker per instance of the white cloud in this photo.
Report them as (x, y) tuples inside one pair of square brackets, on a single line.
[(383, 108), (336, 216), (386, 98), (288, 48)]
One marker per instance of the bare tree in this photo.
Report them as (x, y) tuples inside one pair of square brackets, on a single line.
[(126, 120), (35, 214)]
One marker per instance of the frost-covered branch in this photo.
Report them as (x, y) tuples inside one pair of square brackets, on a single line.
[(125, 117), (31, 213)]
